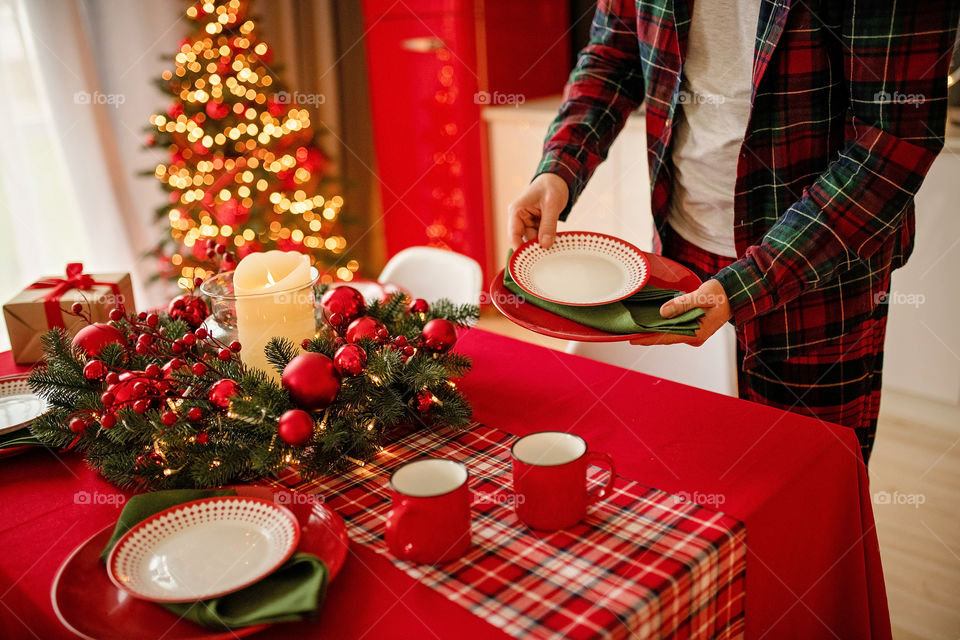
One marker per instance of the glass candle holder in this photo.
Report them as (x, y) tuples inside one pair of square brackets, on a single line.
[(255, 318)]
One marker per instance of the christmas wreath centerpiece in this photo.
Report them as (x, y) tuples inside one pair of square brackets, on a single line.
[(155, 401)]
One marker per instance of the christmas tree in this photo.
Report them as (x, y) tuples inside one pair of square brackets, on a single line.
[(245, 172)]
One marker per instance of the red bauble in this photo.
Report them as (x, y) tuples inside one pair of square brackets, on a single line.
[(312, 380), (96, 336), (439, 335), (94, 370), (346, 302), (217, 110), (425, 401), (295, 427), (221, 392), (365, 327), (132, 386), (350, 359), (189, 308), (231, 213), (418, 306)]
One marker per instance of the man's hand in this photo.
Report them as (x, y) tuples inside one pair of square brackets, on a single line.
[(710, 297), (535, 213)]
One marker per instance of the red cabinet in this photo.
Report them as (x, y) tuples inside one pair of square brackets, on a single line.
[(433, 64)]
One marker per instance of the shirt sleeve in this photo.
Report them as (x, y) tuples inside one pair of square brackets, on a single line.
[(896, 61), (604, 88)]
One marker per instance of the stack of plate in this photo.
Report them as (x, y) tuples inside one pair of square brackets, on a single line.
[(19, 406)]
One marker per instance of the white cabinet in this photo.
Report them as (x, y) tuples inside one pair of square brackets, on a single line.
[(923, 339)]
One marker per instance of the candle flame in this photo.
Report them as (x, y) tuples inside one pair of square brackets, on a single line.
[(270, 280)]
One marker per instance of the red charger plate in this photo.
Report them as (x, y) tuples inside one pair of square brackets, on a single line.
[(664, 273), (91, 606)]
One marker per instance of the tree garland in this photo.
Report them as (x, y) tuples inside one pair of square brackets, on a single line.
[(153, 401)]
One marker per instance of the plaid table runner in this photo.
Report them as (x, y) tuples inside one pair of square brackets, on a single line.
[(644, 564)]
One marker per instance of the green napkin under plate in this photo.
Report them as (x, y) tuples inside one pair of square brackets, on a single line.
[(292, 592), (640, 313)]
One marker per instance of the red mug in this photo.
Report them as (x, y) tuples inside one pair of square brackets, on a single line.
[(550, 479), (429, 519)]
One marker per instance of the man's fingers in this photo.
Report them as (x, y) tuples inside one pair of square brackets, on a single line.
[(548, 229), (516, 227)]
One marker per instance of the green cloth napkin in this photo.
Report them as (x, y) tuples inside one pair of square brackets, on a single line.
[(640, 313), (290, 593)]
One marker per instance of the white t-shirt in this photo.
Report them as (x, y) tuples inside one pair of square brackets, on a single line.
[(712, 118)]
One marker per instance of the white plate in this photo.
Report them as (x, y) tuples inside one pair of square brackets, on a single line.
[(19, 406), (203, 549), (581, 268)]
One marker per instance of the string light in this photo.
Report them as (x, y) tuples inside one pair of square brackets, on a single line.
[(243, 169)]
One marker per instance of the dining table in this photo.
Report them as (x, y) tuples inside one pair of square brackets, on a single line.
[(790, 493)]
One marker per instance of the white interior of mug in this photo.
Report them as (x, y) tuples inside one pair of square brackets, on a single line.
[(430, 477), (549, 448)]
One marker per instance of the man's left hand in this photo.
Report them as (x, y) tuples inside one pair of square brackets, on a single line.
[(710, 297)]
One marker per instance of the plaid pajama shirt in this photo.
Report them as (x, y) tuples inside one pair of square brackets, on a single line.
[(849, 110)]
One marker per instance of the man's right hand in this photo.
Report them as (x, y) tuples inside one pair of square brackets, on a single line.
[(535, 213)]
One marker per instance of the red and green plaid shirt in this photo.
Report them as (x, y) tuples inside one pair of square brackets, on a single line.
[(849, 110)]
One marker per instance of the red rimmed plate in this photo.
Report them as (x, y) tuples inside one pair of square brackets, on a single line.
[(664, 273), (91, 606), (581, 268)]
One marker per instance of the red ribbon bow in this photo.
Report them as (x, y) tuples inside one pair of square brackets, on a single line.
[(76, 279)]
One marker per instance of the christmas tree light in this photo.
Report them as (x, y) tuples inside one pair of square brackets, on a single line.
[(244, 172)]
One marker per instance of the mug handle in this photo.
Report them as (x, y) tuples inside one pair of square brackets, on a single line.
[(601, 460)]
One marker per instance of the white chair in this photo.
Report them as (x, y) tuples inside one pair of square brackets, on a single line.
[(432, 274), (711, 366)]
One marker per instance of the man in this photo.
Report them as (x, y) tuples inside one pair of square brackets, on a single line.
[(786, 141)]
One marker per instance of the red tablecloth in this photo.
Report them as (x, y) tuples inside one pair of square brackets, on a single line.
[(813, 565)]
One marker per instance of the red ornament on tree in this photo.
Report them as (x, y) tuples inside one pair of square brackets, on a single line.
[(96, 336), (418, 306), (217, 110), (350, 360), (94, 370), (365, 327), (425, 401), (346, 302), (221, 392), (295, 427), (439, 335), (189, 308), (312, 380), (133, 386)]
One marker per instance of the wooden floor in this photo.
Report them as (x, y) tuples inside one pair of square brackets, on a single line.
[(916, 464)]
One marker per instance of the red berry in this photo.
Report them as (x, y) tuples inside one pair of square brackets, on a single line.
[(305, 344), (141, 348), (225, 354), (77, 425), (112, 378), (203, 437), (140, 388), (221, 249), (168, 418), (189, 339), (383, 334), (400, 341), (235, 346), (176, 347), (177, 303), (201, 333), (408, 351), (199, 369), (153, 319), (195, 413), (116, 314), (107, 398), (142, 315), (141, 406), (76, 307), (108, 421), (145, 338), (198, 281), (152, 371)]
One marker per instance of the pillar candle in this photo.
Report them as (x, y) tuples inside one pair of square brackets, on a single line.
[(274, 292)]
